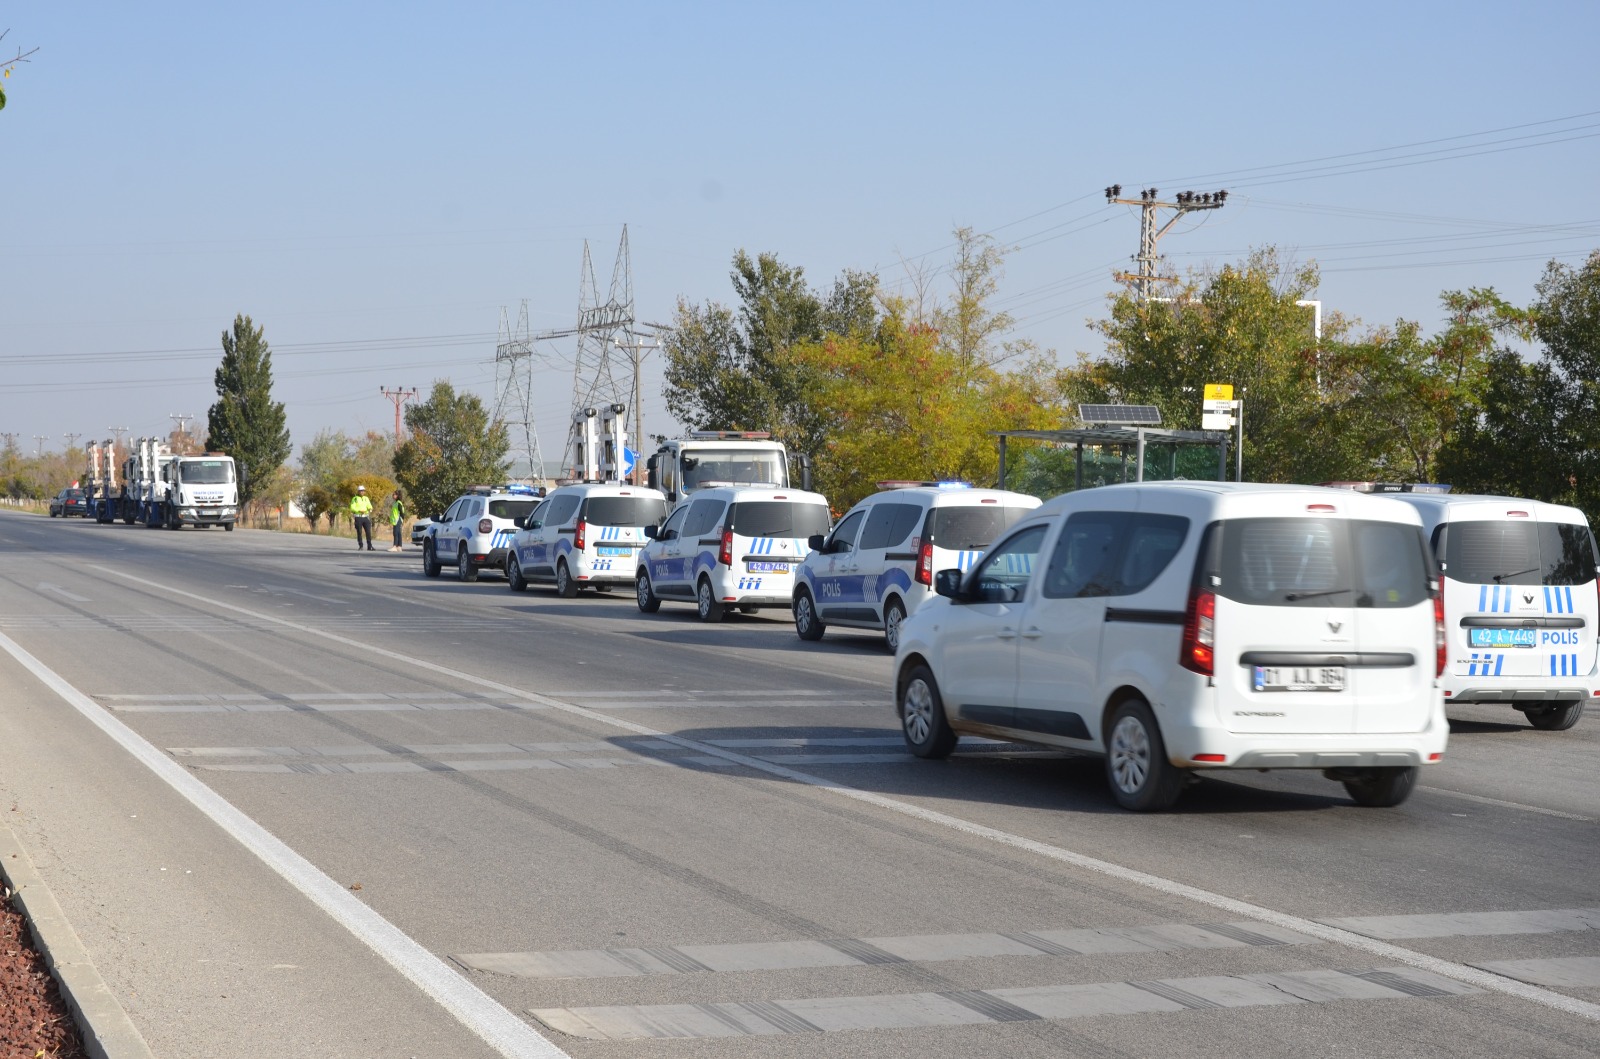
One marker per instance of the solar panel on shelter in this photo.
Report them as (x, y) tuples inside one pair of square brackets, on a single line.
[(1133, 415)]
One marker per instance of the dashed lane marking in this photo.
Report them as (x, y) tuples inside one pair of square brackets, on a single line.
[(1481, 800), (1472, 924), (968, 1007), (1418, 961)]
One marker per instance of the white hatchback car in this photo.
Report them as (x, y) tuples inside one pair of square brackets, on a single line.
[(1521, 606), (877, 565), (1181, 626), (730, 546), (584, 536)]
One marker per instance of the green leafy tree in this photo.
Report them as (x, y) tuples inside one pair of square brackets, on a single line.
[(327, 459), (968, 325), (318, 501), (453, 445), (246, 422)]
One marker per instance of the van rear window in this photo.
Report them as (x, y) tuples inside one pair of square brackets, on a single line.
[(514, 509), (624, 511), (1309, 562), (778, 518), (970, 528), (1494, 552)]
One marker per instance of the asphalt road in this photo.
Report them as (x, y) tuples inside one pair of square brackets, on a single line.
[(299, 799)]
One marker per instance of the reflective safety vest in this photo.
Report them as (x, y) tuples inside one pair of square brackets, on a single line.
[(360, 505)]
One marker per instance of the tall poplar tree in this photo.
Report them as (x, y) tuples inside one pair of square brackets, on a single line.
[(246, 422)]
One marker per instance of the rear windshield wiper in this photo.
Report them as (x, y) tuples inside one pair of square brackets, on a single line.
[(1295, 597), (1500, 579)]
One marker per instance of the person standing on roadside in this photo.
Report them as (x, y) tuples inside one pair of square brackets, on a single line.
[(397, 519), (361, 514)]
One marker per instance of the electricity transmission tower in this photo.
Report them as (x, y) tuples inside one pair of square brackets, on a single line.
[(1149, 235), (601, 326), (513, 371)]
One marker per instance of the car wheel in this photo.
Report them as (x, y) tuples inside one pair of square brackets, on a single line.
[(465, 571), (706, 603), (922, 720), (1141, 777), (430, 561), (1556, 718), (54, 513), (228, 526), (566, 587), (893, 614), (649, 602), (514, 576), (806, 623), (1381, 788)]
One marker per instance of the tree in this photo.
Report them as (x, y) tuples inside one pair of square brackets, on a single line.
[(453, 445), (7, 65), (967, 325), (246, 422)]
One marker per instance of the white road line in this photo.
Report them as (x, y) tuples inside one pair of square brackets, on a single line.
[(1458, 971), (475, 1009), (45, 586), (1507, 805)]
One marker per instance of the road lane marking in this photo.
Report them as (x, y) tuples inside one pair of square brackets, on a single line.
[(473, 1008), (861, 952), (1562, 972), (1459, 972), (45, 586), (1481, 800), (976, 1007), (1472, 924)]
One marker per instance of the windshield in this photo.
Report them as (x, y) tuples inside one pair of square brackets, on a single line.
[(778, 518), (966, 529), (624, 510), (739, 466), (205, 472), (1517, 553)]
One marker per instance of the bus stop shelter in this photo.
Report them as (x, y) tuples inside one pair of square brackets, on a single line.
[(1136, 438)]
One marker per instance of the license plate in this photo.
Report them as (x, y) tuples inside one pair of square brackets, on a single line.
[(1503, 637), (766, 568), (607, 549), (1299, 678)]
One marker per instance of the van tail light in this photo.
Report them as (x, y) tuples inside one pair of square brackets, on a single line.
[(1440, 647), (1200, 634), (925, 563), (580, 536), (725, 553), (485, 525)]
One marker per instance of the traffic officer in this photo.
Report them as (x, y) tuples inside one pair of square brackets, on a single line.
[(361, 514), (397, 519)]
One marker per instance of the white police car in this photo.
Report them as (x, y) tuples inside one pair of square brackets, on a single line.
[(730, 546), (877, 565), (476, 532), (584, 536)]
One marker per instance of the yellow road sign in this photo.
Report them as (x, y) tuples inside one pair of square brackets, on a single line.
[(1219, 391)]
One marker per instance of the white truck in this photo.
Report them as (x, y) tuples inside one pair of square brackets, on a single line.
[(161, 488), (708, 458)]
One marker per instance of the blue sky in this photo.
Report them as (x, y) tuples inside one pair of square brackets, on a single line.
[(372, 183)]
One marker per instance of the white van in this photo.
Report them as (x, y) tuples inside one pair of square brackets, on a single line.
[(584, 536), (1181, 626), (729, 546), (877, 565), (1520, 603)]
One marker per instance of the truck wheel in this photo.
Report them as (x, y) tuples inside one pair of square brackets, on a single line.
[(566, 587), (1382, 788), (514, 576), (922, 720), (649, 602), (465, 571), (807, 625), (894, 612), (430, 561), (707, 605), (228, 526), (1142, 779), (1556, 718)]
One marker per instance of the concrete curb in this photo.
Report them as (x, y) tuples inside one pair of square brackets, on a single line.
[(107, 1031)]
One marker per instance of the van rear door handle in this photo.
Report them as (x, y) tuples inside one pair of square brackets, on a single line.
[(1006, 633), (1033, 633)]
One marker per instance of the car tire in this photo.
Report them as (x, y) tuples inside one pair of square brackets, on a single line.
[(566, 587), (748, 608), (1556, 718), (707, 605), (1382, 788), (645, 595), (514, 577), (430, 561), (228, 526), (465, 571), (922, 720), (1141, 777), (894, 612), (54, 513), (807, 625)]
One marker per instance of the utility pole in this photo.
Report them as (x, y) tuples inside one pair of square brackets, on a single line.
[(1149, 202), (38, 443), (10, 436), (120, 432), (637, 351), (72, 439), (182, 419), (399, 397)]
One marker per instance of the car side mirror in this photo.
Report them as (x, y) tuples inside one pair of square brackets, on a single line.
[(439, 517), (947, 583), (814, 542), (652, 531)]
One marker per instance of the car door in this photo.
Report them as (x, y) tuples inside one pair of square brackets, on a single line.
[(662, 555), (445, 535), (888, 523), (530, 539), (838, 587), (977, 663)]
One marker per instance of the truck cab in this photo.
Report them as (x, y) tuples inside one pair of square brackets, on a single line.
[(710, 458)]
